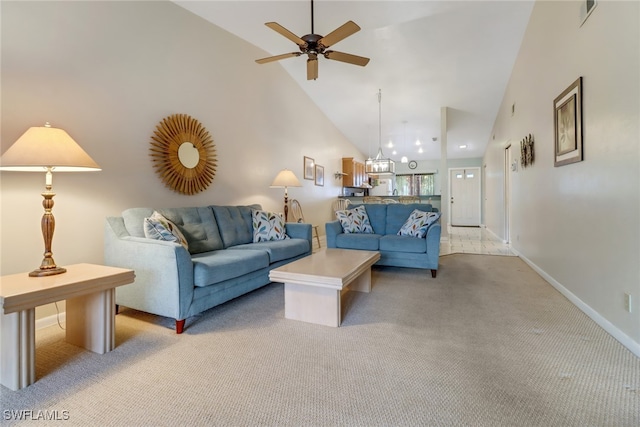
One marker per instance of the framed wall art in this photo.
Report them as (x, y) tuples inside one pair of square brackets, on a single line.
[(183, 154), (308, 168), (567, 110), (586, 8), (527, 155), (319, 175)]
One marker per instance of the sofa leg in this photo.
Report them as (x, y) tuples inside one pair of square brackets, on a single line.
[(180, 326), (117, 308), (433, 273)]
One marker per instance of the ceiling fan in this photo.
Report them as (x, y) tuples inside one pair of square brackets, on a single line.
[(313, 45)]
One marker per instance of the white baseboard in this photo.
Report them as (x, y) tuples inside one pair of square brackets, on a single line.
[(45, 322), (611, 329), (495, 235)]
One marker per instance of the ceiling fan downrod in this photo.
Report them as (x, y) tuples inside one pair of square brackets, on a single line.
[(312, 17)]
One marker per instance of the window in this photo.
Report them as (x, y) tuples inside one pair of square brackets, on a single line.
[(415, 184)]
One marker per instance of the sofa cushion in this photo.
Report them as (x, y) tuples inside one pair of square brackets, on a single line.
[(198, 226), (417, 223), (278, 250), (397, 213), (367, 242), (160, 228), (395, 243), (354, 220), (217, 266), (267, 226), (234, 223)]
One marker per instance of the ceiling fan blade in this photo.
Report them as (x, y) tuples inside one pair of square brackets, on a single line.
[(288, 34), (278, 57), (339, 33), (312, 67), (346, 57)]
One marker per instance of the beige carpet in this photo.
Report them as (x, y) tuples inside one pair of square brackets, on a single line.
[(486, 343)]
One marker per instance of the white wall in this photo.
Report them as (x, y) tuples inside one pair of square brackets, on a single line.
[(577, 224), (108, 73)]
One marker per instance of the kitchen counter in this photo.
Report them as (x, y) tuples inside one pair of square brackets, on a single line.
[(434, 200)]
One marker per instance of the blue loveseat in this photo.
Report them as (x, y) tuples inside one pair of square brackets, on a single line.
[(222, 262), (398, 251)]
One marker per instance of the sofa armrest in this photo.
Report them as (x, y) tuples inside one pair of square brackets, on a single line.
[(164, 271), (332, 229), (298, 230), (433, 242)]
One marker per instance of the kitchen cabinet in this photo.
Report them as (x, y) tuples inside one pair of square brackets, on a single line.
[(354, 169)]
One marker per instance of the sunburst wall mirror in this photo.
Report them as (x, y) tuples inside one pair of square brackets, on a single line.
[(183, 154)]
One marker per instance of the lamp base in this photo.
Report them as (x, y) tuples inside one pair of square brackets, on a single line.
[(42, 272)]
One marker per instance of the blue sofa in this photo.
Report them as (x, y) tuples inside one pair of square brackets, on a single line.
[(398, 251), (222, 262)]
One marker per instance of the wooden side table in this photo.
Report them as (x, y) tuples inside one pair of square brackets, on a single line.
[(90, 293)]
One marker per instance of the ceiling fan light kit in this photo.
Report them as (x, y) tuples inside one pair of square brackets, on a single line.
[(313, 45)]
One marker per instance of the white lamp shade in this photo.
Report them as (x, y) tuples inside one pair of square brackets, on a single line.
[(285, 178), (45, 147)]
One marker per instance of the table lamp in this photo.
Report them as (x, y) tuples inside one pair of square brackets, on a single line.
[(285, 179), (47, 149)]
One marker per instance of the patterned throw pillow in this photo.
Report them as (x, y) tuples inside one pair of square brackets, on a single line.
[(160, 228), (354, 220), (267, 226), (417, 223)]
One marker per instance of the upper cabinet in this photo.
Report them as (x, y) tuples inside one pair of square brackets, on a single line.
[(354, 169)]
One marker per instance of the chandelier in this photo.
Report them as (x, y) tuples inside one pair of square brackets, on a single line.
[(380, 165)]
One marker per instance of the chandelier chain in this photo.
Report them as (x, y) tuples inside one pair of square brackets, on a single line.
[(380, 119)]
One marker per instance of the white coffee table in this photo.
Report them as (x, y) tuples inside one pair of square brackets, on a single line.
[(314, 285)]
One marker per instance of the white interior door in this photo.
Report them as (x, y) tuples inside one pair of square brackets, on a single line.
[(465, 196)]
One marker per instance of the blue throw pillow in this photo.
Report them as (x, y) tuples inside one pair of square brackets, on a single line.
[(417, 223)]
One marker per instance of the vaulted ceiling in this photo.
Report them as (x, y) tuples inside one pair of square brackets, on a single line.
[(424, 55)]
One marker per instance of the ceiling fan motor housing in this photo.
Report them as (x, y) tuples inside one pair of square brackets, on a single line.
[(312, 45)]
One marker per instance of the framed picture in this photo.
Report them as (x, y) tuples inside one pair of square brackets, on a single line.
[(308, 168), (567, 110), (585, 9), (320, 175)]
